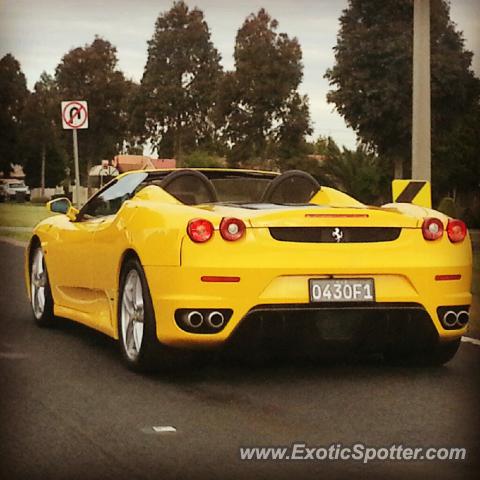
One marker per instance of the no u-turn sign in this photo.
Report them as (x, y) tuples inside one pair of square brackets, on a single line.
[(74, 114), (75, 117)]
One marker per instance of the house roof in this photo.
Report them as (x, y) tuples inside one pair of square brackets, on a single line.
[(126, 163), (17, 172)]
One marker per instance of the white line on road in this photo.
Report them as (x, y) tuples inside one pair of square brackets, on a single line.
[(158, 429), (164, 428), (474, 341)]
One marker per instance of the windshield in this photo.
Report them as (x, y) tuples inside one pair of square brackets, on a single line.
[(202, 186), (109, 200)]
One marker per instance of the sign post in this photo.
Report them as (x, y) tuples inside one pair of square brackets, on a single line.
[(74, 117)]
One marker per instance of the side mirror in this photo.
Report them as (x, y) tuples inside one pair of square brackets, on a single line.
[(63, 205)]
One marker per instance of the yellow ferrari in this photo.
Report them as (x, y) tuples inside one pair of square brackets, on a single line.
[(168, 260)]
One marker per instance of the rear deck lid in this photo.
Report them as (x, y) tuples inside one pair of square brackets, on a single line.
[(269, 215)]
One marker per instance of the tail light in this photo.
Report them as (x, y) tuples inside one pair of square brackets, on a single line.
[(432, 228), (456, 230), (200, 230), (232, 229)]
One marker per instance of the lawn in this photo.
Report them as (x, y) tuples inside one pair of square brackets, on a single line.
[(23, 215)]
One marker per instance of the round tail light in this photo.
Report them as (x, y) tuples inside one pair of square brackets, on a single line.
[(432, 229), (200, 230), (232, 229), (456, 230)]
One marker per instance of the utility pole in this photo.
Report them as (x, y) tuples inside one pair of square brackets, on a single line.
[(421, 111)]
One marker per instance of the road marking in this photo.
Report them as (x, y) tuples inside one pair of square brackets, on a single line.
[(164, 429), (159, 429), (474, 341)]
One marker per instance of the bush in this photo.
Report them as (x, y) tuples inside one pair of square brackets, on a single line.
[(202, 159), (471, 216), (448, 207)]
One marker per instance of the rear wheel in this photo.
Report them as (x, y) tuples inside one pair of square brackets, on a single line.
[(436, 356), (139, 345), (40, 293)]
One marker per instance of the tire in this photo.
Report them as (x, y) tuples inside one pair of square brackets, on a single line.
[(139, 346), (41, 299), (439, 355)]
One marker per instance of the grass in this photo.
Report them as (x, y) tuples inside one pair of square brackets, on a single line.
[(22, 214), (21, 236)]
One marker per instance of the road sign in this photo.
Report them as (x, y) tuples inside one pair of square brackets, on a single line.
[(75, 117), (412, 191), (74, 114)]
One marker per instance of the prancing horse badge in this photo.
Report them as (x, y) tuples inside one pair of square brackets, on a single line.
[(337, 234)]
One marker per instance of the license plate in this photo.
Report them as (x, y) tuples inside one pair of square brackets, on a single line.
[(342, 290)]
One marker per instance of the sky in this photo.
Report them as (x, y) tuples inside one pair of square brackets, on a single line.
[(39, 32)]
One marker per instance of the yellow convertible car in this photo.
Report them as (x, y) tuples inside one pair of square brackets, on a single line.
[(168, 260)]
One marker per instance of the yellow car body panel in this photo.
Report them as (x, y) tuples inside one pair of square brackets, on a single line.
[(267, 278), (84, 260)]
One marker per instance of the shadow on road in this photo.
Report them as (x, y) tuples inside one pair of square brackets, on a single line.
[(225, 367)]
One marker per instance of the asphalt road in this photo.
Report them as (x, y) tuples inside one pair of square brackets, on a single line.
[(69, 408)]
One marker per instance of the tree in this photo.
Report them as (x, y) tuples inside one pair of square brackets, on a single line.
[(356, 172), (174, 106), (457, 159), (90, 73), (291, 132), (13, 94), (45, 156), (202, 159), (327, 147), (372, 77), (259, 100)]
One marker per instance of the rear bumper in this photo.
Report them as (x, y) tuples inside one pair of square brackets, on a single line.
[(287, 296), (277, 274)]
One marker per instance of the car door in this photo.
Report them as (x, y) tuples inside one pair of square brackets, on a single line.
[(108, 242), (69, 262)]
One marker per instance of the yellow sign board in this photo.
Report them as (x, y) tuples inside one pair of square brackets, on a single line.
[(417, 192)]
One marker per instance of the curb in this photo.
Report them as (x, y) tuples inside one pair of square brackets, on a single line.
[(12, 241)]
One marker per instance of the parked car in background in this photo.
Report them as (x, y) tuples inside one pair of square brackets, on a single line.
[(9, 188)]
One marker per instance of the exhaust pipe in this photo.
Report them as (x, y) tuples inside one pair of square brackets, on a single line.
[(216, 319), (450, 318), (463, 317), (194, 319)]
